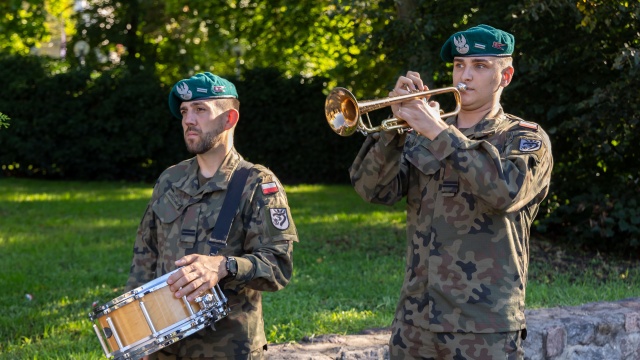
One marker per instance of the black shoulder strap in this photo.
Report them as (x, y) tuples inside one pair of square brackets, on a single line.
[(231, 201)]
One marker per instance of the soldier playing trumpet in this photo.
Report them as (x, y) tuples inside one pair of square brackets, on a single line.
[(473, 183)]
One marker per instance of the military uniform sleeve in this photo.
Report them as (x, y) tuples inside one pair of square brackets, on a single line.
[(506, 181), (378, 173), (145, 251), (266, 263)]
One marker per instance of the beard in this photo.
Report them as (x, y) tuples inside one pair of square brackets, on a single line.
[(205, 142)]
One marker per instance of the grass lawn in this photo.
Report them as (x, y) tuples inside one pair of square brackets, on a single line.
[(67, 245)]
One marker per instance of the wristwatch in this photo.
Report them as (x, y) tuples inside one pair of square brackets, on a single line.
[(232, 267)]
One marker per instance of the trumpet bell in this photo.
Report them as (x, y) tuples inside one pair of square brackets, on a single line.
[(341, 111)]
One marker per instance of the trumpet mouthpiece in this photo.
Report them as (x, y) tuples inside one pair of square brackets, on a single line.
[(461, 86)]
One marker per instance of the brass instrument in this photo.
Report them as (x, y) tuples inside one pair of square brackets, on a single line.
[(344, 112)]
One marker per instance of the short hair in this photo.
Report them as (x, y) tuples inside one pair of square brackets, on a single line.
[(504, 62), (226, 104)]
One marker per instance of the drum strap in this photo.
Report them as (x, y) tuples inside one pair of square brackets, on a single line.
[(218, 239)]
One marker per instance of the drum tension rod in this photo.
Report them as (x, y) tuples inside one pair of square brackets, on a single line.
[(184, 298), (115, 332), (104, 346), (148, 318)]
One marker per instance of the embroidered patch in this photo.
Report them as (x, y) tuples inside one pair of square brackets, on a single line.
[(529, 145), (461, 44), (201, 90), (479, 46), (269, 188), (499, 46), (279, 218), (183, 90), (218, 88)]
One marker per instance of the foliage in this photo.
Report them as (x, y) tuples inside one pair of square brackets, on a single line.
[(285, 129), (82, 125), (306, 39), (4, 120), (26, 25), (116, 125), (584, 95)]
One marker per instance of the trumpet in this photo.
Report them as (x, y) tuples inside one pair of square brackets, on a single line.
[(344, 112)]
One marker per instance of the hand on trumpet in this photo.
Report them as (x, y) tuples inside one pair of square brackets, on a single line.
[(421, 114)]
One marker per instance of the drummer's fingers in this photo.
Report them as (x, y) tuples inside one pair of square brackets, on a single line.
[(187, 284), (186, 260), (199, 291), (179, 279)]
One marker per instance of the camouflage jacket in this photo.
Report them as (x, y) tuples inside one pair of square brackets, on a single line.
[(471, 198), (179, 220)]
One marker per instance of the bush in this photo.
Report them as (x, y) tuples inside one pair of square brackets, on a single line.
[(116, 125), (79, 125), (282, 126)]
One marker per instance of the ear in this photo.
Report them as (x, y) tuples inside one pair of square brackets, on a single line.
[(507, 76), (232, 119)]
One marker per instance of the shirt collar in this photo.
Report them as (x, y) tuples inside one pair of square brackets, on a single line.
[(485, 127), (220, 180)]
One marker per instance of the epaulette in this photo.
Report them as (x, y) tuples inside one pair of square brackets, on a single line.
[(528, 125)]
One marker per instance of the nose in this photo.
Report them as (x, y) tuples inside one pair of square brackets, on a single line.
[(466, 74), (189, 118)]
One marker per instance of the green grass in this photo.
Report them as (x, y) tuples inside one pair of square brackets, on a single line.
[(68, 245)]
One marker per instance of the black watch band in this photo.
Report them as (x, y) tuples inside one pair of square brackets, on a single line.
[(232, 267)]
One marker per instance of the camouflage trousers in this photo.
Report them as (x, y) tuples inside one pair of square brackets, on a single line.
[(411, 342), (161, 355)]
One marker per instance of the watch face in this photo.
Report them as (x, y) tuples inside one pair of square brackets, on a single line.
[(232, 266)]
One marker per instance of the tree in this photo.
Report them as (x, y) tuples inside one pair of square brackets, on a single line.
[(323, 38), (28, 24)]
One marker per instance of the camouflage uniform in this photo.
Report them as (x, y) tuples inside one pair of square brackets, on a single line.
[(472, 195), (179, 220)]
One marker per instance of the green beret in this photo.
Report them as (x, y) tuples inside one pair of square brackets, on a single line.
[(200, 86), (481, 40)]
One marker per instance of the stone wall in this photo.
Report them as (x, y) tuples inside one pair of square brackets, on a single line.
[(596, 331)]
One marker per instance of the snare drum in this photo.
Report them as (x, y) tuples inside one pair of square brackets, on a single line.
[(148, 318)]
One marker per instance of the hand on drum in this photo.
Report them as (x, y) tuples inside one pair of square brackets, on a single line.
[(198, 274), (423, 116)]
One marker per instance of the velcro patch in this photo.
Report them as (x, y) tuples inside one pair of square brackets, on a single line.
[(528, 125), (279, 218), (269, 188), (529, 145)]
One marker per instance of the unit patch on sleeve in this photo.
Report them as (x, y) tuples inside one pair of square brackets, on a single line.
[(529, 145), (279, 218)]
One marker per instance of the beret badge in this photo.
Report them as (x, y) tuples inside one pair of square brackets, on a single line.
[(461, 44), (183, 90)]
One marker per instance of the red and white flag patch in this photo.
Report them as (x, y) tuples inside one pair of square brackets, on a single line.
[(269, 188)]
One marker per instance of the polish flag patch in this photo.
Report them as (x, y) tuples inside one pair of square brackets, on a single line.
[(269, 188)]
